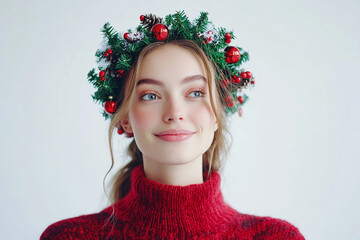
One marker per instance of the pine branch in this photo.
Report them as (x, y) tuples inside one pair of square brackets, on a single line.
[(202, 22)]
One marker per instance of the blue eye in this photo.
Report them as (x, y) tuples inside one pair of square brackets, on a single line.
[(151, 96), (199, 93)]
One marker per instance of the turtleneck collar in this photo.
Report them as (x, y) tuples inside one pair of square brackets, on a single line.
[(182, 210)]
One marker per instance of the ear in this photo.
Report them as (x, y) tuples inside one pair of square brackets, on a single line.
[(126, 125)]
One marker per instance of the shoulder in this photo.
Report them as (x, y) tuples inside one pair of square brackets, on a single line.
[(81, 227), (268, 228)]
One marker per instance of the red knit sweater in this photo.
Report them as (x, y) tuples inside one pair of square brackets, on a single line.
[(155, 211)]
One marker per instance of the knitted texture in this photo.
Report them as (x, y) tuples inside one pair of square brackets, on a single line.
[(156, 211)]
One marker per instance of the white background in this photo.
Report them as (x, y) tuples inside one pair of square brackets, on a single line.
[(295, 152)]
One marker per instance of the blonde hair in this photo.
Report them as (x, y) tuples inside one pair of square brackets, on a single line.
[(212, 158)]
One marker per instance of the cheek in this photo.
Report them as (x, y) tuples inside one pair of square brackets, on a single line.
[(203, 114), (142, 116)]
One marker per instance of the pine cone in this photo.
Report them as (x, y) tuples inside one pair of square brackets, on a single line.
[(150, 20)]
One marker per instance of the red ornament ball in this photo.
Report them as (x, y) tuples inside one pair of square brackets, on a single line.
[(160, 31), (243, 75), (110, 107), (232, 55), (236, 79), (248, 74), (142, 18), (128, 38), (101, 73), (241, 99)]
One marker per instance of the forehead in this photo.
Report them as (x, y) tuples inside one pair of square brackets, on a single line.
[(170, 62)]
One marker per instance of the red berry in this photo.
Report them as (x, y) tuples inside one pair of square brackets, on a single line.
[(227, 98), (230, 104), (253, 82), (236, 79), (241, 99), (142, 17), (109, 51), (248, 74), (101, 73), (228, 40), (102, 79), (243, 75), (120, 131), (106, 54), (227, 35)]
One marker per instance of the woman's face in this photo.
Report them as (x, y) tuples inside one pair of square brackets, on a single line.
[(172, 93)]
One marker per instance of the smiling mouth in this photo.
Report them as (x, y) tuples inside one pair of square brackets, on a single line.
[(175, 137)]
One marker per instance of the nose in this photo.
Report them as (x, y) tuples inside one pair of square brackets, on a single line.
[(173, 111)]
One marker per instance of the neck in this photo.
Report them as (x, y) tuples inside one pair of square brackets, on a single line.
[(171, 174)]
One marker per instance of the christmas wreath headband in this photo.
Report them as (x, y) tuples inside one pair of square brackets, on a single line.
[(118, 53)]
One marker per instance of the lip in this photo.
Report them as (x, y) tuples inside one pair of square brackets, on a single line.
[(174, 135)]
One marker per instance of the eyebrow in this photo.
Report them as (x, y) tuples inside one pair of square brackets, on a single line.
[(159, 83)]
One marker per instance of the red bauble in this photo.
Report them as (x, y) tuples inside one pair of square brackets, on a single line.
[(160, 31), (236, 79), (110, 107), (128, 38), (243, 75), (248, 74), (101, 74), (241, 99), (142, 17), (232, 54)]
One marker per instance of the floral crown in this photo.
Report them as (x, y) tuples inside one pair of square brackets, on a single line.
[(118, 53)]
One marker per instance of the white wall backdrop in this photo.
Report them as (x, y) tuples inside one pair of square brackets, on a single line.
[(295, 152)]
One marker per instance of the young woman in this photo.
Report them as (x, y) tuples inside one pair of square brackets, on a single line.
[(173, 106)]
